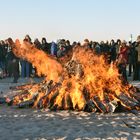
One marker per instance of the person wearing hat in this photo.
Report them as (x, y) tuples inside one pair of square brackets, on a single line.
[(137, 67)]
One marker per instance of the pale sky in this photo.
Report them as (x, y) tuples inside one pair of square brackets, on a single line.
[(70, 19)]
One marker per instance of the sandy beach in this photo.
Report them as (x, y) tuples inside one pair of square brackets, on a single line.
[(32, 124)]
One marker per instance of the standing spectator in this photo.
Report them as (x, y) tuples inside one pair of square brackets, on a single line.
[(68, 47), (106, 48), (137, 67), (2, 56), (123, 60), (45, 46), (15, 69), (74, 44), (3, 51), (5, 54), (37, 44), (131, 58), (26, 67), (118, 44), (121, 63), (97, 48), (124, 50), (86, 43), (113, 54), (102, 46), (13, 64), (9, 58), (54, 49), (60, 51)]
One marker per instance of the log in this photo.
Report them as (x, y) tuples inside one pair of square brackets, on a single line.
[(41, 102), (136, 96), (52, 100), (22, 87), (54, 107), (126, 101), (47, 92), (24, 94), (46, 86), (19, 93), (96, 100), (68, 105), (110, 105), (53, 88), (26, 104), (90, 107)]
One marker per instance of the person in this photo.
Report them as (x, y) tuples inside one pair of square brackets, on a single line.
[(113, 54), (137, 66), (15, 69), (6, 62), (97, 48), (28, 39), (121, 64), (2, 55), (45, 45), (106, 48), (61, 51), (68, 47), (37, 44), (54, 49), (13, 64), (124, 50), (9, 57), (131, 58), (86, 43), (26, 67), (123, 60), (118, 44)]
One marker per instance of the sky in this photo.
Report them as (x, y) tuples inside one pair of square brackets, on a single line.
[(70, 19)]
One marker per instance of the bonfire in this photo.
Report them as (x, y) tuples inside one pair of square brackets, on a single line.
[(83, 82)]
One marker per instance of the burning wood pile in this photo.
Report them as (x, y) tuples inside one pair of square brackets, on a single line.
[(84, 83)]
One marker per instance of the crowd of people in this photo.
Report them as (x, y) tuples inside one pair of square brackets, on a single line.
[(123, 54)]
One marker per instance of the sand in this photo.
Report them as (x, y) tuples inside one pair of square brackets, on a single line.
[(34, 124)]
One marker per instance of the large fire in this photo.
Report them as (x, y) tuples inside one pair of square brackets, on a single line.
[(85, 82)]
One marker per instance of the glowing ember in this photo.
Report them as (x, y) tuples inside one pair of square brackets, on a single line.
[(87, 82)]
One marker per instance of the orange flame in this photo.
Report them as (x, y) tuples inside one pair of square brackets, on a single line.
[(44, 64)]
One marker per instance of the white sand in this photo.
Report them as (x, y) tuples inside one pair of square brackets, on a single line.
[(31, 124)]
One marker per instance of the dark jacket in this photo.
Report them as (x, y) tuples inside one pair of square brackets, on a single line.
[(132, 55), (2, 53), (113, 53), (46, 47), (15, 67)]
